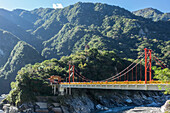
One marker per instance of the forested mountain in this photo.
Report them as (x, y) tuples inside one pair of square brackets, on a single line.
[(21, 55), (54, 33), (154, 14), (7, 43)]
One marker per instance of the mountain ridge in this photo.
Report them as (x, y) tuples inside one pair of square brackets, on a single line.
[(152, 13), (21, 55)]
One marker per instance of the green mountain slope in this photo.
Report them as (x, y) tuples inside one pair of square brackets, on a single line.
[(24, 24), (7, 43), (154, 14), (21, 55), (17, 26), (106, 28)]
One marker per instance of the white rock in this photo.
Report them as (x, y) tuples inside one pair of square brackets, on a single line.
[(13, 109), (166, 106), (1, 111)]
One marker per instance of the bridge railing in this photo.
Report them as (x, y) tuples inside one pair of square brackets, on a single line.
[(118, 82)]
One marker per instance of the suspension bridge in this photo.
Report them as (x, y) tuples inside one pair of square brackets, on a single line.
[(127, 79)]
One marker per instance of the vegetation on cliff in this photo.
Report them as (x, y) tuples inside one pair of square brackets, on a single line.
[(32, 80), (21, 55), (163, 75)]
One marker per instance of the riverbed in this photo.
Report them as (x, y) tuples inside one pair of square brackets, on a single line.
[(149, 108)]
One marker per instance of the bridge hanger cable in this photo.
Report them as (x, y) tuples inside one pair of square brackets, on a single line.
[(124, 69), (86, 79), (159, 61), (82, 76)]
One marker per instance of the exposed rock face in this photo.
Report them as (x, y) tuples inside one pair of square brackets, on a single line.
[(166, 106), (90, 100), (87, 101), (81, 104)]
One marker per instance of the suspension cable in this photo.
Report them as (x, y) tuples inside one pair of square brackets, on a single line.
[(159, 61), (124, 69)]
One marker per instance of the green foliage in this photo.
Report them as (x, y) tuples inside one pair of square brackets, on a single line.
[(8, 41), (21, 55), (31, 80), (154, 14), (163, 75), (114, 29)]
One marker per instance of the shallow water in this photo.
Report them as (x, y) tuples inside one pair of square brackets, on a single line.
[(126, 108), (116, 109)]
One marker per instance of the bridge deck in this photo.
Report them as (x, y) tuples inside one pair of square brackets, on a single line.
[(123, 85)]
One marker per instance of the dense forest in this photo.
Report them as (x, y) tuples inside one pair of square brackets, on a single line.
[(29, 37), (154, 14), (32, 80)]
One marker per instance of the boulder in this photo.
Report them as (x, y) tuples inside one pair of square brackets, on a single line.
[(166, 106), (41, 111), (128, 100), (42, 105), (144, 110), (57, 110), (1, 111), (65, 109), (13, 109), (56, 104), (99, 106)]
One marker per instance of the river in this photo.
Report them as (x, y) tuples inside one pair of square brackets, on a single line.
[(149, 108)]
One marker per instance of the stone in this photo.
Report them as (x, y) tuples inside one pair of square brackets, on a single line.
[(56, 104), (144, 110), (42, 111), (6, 106), (42, 105), (57, 110), (1, 111), (129, 100), (65, 109), (1, 98), (105, 108), (166, 106), (99, 106), (13, 109)]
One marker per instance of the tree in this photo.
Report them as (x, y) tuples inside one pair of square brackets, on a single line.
[(164, 76)]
